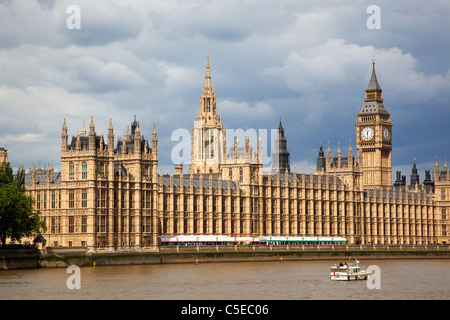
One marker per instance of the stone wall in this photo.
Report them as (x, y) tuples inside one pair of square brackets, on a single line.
[(64, 257), (19, 258)]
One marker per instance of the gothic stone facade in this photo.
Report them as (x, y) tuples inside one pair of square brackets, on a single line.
[(113, 197)]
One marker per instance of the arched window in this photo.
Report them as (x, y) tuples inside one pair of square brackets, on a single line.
[(84, 171), (241, 175), (230, 173), (442, 194), (101, 168), (71, 171)]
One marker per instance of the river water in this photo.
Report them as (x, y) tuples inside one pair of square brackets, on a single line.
[(406, 279)]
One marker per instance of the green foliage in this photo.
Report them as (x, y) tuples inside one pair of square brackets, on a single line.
[(7, 176), (17, 217)]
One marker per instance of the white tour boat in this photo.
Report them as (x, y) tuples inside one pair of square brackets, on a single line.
[(348, 271)]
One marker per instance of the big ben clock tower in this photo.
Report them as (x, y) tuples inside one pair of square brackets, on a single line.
[(374, 138)]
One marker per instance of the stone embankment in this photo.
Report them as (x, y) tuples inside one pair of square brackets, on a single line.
[(63, 257)]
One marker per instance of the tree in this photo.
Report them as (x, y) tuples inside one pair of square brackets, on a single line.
[(7, 176), (17, 217)]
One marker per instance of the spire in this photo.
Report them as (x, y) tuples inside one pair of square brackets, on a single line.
[(64, 136), (83, 130), (321, 161), (92, 135), (110, 127), (137, 137), (373, 100), (280, 129), (414, 175), (328, 159), (128, 134), (134, 125), (339, 155), (92, 126), (110, 136), (154, 132), (78, 142), (373, 83), (155, 140), (208, 98), (207, 74), (137, 130), (350, 154), (280, 154)]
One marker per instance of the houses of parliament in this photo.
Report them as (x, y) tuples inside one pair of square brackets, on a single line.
[(109, 193)]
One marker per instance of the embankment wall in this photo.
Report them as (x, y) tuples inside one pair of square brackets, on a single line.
[(63, 257)]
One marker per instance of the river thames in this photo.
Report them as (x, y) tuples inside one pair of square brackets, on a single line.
[(404, 279)]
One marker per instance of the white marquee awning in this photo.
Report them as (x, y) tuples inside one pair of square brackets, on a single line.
[(205, 238)]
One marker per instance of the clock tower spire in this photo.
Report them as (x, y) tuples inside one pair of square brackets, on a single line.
[(374, 138)]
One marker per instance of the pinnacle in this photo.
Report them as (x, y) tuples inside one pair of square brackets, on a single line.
[(208, 74), (373, 83)]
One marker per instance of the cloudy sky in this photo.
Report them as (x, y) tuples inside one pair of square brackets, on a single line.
[(304, 62)]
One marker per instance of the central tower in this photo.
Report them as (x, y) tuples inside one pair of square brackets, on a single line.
[(207, 132), (374, 138)]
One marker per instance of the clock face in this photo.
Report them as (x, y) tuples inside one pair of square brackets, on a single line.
[(367, 134), (386, 134)]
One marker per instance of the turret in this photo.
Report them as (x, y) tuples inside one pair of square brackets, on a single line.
[(260, 152), (154, 141), (92, 135), (83, 130), (78, 142), (350, 155), (137, 139), (428, 184), (247, 149), (414, 178), (110, 137), (321, 162), (338, 156), (280, 154), (64, 136), (328, 162), (436, 170)]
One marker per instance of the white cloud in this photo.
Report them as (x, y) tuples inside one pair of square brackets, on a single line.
[(243, 110), (23, 138), (326, 67), (101, 76)]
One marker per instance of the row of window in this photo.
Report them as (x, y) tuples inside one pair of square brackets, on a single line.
[(41, 200), (126, 224), (236, 226), (54, 224), (214, 226), (102, 201), (101, 198), (83, 171)]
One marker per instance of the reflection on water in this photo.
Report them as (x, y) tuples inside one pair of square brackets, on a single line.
[(400, 279)]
